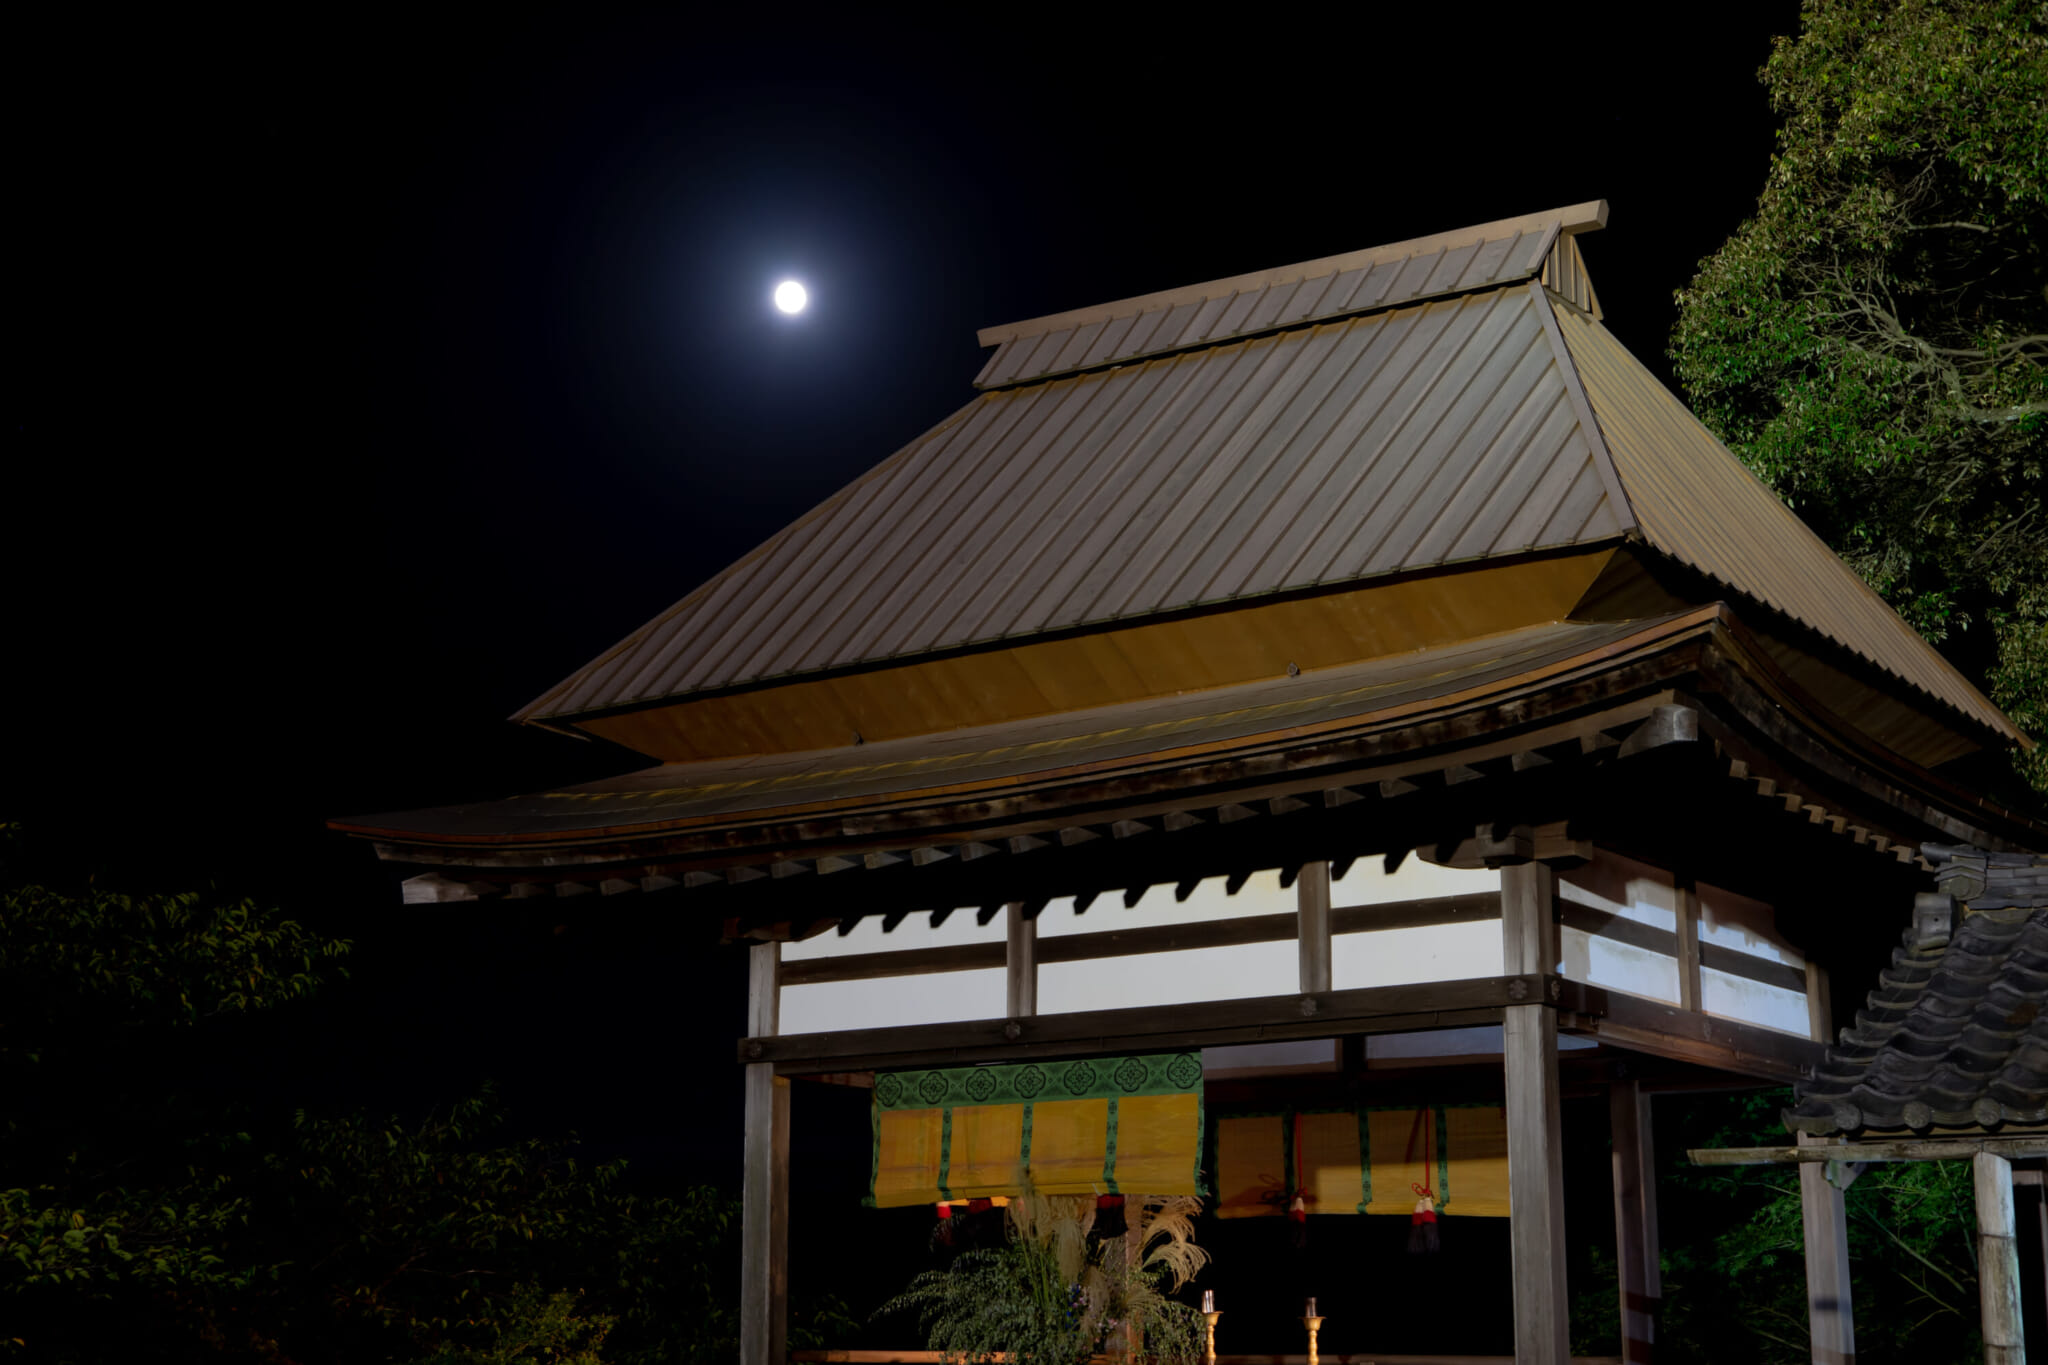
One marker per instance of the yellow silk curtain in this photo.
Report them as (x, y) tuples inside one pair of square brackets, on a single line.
[(1363, 1161), (1145, 1144)]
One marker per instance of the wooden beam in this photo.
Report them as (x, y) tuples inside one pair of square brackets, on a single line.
[(1830, 1307), (764, 1201), (1535, 1179), (1312, 897), (1998, 1261), (1820, 1007), (1020, 963), (1813, 1152), (1150, 938), (1635, 1219), (1635, 933), (1688, 906), (1528, 904), (1376, 1009), (1666, 1031)]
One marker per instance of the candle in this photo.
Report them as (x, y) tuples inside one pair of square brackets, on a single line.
[(1311, 1309), (1208, 1300)]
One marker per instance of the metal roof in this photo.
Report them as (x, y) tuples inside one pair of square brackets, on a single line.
[(1486, 423), (1040, 749), (1399, 440), (1697, 503), (1312, 291)]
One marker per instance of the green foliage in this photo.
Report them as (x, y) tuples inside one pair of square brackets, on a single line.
[(1874, 341), (1734, 1257), (140, 1221), (1053, 1293)]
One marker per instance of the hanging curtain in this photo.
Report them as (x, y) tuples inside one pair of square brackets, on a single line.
[(1101, 1126), (1363, 1160)]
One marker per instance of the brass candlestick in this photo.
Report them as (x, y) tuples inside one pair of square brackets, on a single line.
[(1209, 1351), (1314, 1325)]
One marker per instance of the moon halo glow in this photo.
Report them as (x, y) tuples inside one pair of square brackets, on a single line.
[(791, 297)]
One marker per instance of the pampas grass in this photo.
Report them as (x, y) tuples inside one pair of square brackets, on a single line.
[(1051, 1295)]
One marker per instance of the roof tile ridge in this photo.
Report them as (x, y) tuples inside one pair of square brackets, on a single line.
[(1582, 407)]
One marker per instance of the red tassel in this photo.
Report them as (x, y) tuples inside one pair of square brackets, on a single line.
[(1423, 1238), (1109, 1216)]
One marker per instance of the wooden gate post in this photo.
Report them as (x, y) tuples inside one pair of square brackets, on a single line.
[(1535, 1151), (764, 1200), (1998, 1261), (1830, 1310), (1635, 1220)]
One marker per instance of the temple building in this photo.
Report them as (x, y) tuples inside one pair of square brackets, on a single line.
[(1273, 741)]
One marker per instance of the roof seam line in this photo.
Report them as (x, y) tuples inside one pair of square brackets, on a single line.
[(1575, 390), (1270, 330)]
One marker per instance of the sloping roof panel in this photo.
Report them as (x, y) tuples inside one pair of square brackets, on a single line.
[(1313, 291), (1376, 444), (1041, 748), (1697, 503)]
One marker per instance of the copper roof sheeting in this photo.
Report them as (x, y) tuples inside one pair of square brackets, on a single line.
[(1313, 291), (958, 762), (1490, 423), (1697, 503), (1400, 440)]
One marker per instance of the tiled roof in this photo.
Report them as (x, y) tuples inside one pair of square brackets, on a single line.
[(1956, 1034)]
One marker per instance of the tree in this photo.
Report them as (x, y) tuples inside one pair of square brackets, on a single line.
[(1874, 341), (142, 1220)]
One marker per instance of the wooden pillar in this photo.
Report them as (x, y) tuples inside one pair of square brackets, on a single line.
[(1535, 1154), (1635, 1220), (1687, 903), (764, 1206), (1312, 896), (1830, 1309), (1998, 1261), (1020, 963), (1820, 1009)]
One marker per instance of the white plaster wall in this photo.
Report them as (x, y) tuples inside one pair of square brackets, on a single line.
[(1753, 1002), (1181, 977), (937, 998), (1436, 952), (1744, 926)]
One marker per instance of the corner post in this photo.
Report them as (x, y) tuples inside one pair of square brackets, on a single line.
[(1312, 896), (1535, 1147), (1635, 1220), (1830, 1309), (764, 1206), (1998, 1261), (1020, 963)]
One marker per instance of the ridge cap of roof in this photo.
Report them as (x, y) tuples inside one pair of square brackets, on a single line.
[(1571, 219)]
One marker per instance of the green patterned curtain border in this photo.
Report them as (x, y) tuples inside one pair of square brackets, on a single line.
[(1162, 1073)]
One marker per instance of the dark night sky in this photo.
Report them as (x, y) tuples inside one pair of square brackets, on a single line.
[(371, 375)]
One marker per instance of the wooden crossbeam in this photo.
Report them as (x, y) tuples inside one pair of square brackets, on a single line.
[(1903, 1149)]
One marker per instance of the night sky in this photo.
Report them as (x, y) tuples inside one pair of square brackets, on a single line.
[(373, 374)]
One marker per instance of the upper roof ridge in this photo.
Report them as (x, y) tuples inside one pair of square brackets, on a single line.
[(1373, 277)]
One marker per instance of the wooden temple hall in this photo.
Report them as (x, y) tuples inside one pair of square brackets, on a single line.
[(1280, 740)]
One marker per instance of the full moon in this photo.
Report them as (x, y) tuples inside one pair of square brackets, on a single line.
[(791, 297)]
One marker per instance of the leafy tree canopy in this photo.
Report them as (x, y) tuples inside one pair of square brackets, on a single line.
[(1874, 341), (141, 1219)]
